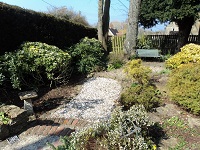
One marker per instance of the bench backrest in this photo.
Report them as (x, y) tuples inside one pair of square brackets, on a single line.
[(147, 53)]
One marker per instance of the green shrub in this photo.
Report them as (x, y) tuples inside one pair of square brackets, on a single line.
[(190, 53), (34, 64), (137, 94), (137, 72), (124, 130), (184, 87), (116, 60), (87, 55), (144, 43)]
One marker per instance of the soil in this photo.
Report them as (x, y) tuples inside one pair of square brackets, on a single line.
[(170, 135)]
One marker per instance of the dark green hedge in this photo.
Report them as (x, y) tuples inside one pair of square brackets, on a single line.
[(18, 25)]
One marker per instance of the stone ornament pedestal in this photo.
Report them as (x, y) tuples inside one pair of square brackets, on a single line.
[(28, 106), (27, 97)]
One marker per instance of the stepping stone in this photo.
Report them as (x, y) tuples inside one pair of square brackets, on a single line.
[(192, 122)]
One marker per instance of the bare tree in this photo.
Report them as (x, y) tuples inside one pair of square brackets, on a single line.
[(103, 21), (68, 14), (132, 31)]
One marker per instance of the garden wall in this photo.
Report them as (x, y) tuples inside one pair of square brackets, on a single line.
[(18, 25)]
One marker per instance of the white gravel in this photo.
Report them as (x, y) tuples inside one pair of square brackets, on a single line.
[(95, 101), (33, 142)]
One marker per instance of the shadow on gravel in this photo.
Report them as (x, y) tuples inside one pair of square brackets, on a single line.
[(52, 138), (40, 144)]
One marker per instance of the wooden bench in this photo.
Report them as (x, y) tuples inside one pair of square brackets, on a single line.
[(148, 53)]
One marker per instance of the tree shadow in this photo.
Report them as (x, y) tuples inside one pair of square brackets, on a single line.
[(52, 138), (157, 133)]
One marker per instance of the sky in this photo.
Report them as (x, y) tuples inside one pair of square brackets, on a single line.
[(88, 8)]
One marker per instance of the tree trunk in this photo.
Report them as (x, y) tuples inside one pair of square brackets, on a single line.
[(103, 21), (132, 31), (100, 20), (199, 35), (185, 27)]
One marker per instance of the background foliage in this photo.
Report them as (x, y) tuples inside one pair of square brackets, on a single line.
[(155, 11)]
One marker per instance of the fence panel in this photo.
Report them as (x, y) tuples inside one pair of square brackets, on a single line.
[(166, 43), (118, 43)]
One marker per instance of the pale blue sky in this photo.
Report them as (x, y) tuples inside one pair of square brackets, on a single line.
[(88, 8)]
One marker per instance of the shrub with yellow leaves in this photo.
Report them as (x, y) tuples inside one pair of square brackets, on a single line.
[(190, 53), (137, 72), (184, 87)]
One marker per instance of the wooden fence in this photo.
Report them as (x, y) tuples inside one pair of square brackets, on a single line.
[(117, 43), (166, 43)]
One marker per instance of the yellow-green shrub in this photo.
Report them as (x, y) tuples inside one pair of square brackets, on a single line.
[(146, 95), (184, 87), (137, 72), (141, 92), (190, 53)]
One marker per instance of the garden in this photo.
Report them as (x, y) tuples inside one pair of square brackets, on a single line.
[(158, 106)]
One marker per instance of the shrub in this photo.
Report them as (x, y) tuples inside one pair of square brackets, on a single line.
[(116, 60), (184, 87), (137, 72), (124, 130), (87, 55), (36, 63), (137, 94), (190, 53), (144, 43)]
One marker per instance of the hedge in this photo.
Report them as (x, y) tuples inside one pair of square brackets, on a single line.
[(19, 25)]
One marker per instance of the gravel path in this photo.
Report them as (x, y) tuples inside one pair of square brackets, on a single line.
[(95, 101)]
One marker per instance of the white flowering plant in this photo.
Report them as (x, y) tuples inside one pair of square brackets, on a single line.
[(126, 130)]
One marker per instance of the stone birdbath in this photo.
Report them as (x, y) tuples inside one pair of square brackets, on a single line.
[(27, 97)]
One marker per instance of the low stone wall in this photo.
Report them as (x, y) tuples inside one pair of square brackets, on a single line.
[(19, 119)]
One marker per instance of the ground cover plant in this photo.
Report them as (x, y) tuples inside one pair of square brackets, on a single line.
[(4, 119)]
